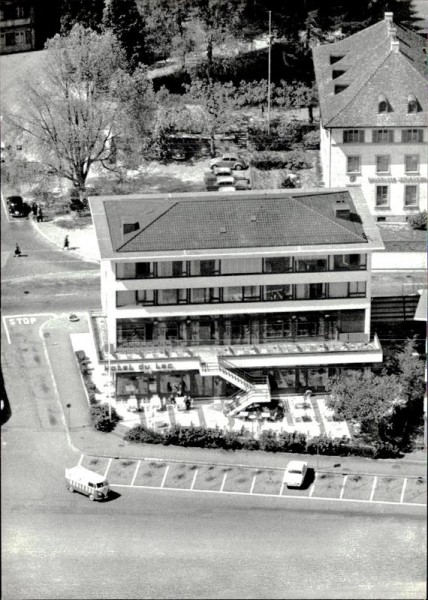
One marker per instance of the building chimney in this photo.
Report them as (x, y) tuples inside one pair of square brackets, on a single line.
[(389, 17), (392, 32), (342, 210), (395, 46)]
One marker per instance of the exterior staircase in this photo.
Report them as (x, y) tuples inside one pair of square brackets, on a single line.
[(251, 389)]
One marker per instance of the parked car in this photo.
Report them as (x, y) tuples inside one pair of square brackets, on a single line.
[(295, 473), (226, 183), (233, 161), (223, 172), (17, 207)]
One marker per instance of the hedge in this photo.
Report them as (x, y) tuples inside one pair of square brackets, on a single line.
[(269, 441), (293, 160)]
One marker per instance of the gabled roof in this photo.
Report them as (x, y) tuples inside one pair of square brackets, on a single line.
[(372, 67), (239, 220)]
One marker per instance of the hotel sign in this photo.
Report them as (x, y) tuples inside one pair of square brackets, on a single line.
[(398, 179), (141, 367)]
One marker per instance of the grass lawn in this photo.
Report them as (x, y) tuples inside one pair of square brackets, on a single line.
[(180, 476), (122, 471), (268, 481), (239, 480), (210, 477), (328, 485), (150, 473), (358, 487), (416, 491), (98, 465), (388, 489)]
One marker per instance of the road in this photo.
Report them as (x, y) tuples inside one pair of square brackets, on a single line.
[(44, 278)]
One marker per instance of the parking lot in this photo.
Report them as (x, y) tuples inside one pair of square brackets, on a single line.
[(197, 477)]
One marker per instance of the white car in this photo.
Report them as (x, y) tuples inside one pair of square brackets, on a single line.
[(295, 473), (226, 183), (233, 161)]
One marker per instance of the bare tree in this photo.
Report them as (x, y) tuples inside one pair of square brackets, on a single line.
[(75, 103)]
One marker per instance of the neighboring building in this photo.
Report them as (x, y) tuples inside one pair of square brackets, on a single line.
[(17, 26), (260, 290), (374, 122)]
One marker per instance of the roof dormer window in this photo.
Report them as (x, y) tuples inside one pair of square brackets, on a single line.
[(412, 104), (339, 88), (337, 73), (383, 104), (334, 59)]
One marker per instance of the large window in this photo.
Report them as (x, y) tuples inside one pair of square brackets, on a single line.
[(232, 294), (410, 195), (411, 162), (353, 136), (251, 293), (357, 289), (412, 135), (347, 262), (278, 292), (353, 164), (205, 268), (281, 264), (312, 263), (382, 195), (383, 163), (382, 136)]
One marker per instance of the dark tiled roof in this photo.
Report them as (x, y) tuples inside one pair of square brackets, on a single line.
[(372, 68), (187, 223)]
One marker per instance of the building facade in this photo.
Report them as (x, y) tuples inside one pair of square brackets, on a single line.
[(17, 26), (258, 291), (373, 117)]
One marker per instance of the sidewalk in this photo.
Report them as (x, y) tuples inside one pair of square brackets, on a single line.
[(90, 442)]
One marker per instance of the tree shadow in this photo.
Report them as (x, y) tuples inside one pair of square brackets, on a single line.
[(6, 411)]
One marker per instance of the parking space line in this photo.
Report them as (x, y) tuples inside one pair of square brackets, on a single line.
[(223, 482), (373, 488), (164, 476), (194, 479), (282, 485), (80, 460), (108, 466), (357, 501), (313, 485), (135, 472), (342, 489), (403, 490), (7, 330), (253, 484)]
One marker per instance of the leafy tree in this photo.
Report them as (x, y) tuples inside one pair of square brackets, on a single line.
[(366, 399), (76, 105), (88, 13), (216, 100), (305, 96), (127, 24)]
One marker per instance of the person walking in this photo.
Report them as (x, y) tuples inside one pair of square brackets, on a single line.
[(66, 243), (34, 209), (17, 251), (40, 216)]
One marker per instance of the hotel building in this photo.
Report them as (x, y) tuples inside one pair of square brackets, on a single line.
[(374, 122), (260, 291)]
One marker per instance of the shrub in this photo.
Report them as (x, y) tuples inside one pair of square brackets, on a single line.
[(418, 221), (290, 133), (292, 160), (141, 435), (311, 140), (100, 417)]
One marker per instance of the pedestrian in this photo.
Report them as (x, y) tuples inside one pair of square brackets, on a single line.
[(34, 208), (66, 243), (40, 216), (17, 251)]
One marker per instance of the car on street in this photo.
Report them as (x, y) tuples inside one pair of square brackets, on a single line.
[(233, 161), (17, 207), (295, 473)]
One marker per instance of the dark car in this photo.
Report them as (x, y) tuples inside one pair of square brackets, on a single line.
[(17, 207)]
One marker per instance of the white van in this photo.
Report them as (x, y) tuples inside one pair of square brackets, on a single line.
[(79, 479)]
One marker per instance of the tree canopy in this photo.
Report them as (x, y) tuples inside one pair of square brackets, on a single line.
[(75, 107), (88, 13)]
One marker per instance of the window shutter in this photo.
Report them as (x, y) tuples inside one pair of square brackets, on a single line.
[(375, 137), (391, 135), (404, 135), (361, 136), (420, 135)]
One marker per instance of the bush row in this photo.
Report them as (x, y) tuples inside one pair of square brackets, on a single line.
[(269, 441), (293, 160), (99, 413)]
